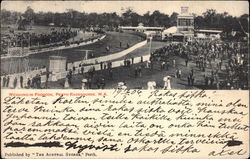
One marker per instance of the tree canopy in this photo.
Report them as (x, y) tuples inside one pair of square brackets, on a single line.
[(73, 18)]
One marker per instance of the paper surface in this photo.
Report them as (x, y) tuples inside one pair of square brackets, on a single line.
[(124, 124), (119, 124)]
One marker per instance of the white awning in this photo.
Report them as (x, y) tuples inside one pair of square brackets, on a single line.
[(202, 36), (209, 31), (170, 30)]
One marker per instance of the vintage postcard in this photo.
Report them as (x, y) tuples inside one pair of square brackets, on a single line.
[(124, 79)]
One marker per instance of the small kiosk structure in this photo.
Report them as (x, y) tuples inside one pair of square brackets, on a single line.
[(57, 64)]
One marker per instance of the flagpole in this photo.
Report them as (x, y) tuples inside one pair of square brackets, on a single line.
[(29, 41), (150, 43), (87, 52), (8, 48)]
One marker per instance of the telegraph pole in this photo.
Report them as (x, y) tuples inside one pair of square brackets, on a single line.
[(150, 43)]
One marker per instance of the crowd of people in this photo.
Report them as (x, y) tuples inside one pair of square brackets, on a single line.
[(90, 78), (18, 82), (225, 64), (28, 39)]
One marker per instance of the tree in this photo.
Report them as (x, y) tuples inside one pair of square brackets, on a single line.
[(159, 19), (29, 14), (199, 22), (5, 17), (145, 19), (209, 19), (173, 19), (9, 17), (244, 22), (129, 17)]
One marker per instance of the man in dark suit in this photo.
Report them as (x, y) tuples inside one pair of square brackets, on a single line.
[(15, 82), (21, 81), (4, 81), (7, 81)]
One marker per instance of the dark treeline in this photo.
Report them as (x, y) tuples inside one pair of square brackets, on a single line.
[(73, 18)]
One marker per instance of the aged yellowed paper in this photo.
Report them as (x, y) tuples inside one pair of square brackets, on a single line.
[(125, 124), (124, 79)]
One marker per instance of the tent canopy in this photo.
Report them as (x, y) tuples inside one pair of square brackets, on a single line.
[(170, 30), (200, 35)]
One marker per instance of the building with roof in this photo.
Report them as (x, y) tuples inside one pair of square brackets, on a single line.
[(207, 34), (185, 24), (184, 31), (141, 28), (169, 32), (148, 31)]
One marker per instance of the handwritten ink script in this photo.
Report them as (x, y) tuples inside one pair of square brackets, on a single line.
[(124, 124)]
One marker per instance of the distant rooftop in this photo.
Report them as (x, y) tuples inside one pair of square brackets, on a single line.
[(184, 12), (141, 27), (209, 31)]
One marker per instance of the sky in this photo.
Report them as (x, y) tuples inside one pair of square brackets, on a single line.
[(235, 8)]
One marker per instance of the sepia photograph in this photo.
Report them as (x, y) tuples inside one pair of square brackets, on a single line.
[(124, 79), (125, 45)]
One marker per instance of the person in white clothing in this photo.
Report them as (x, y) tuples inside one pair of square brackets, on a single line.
[(167, 83), (154, 84), (165, 79), (18, 85), (66, 84), (151, 85), (147, 64), (84, 81), (173, 62), (121, 85), (124, 87)]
